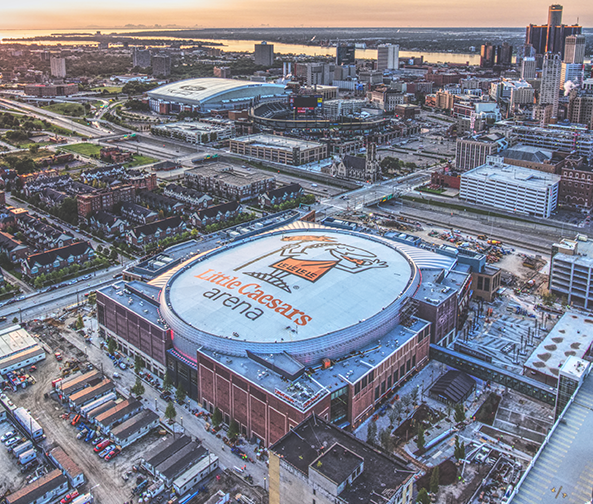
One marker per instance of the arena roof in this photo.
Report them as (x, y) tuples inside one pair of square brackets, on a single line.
[(284, 290), (205, 90)]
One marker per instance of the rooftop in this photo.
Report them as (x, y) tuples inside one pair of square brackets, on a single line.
[(37, 489), (504, 173), (229, 173), (304, 444), (572, 335), (15, 339), (278, 142), (134, 424)]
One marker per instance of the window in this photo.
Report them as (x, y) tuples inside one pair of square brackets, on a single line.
[(357, 388), (395, 376), (376, 392)]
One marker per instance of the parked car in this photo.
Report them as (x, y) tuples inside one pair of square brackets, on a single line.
[(113, 453), (13, 441), (123, 366), (7, 436), (69, 497), (98, 441), (102, 445), (106, 451)]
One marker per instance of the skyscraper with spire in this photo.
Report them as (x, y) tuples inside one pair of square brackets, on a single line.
[(551, 37)]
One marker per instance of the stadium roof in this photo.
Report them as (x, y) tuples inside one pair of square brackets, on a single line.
[(212, 91)]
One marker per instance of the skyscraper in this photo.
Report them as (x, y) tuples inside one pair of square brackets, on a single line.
[(387, 57), (487, 55), (264, 54), (140, 57), (528, 68), (550, 85), (551, 37), (346, 54), (161, 65), (504, 54), (57, 67), (574, 49)]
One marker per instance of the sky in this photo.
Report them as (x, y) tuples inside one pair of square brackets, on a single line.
[(80, 14)]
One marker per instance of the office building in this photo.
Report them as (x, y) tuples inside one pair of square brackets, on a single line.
[(572, 72), (264, 54), (58, 67), (551, 37), (387, 57), (504, 54), (580, 109), (223, 72), (571, 270), (528, 68), (487, 55), (319, 463), (346, 54), (140, 57), (511, 188), (572, 373), (549, 88), (574, 49), (472, 151), (161, 65)]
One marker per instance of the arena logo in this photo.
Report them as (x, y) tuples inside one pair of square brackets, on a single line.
[(310, 257)]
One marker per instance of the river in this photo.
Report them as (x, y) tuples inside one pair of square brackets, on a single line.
[(243, 45)]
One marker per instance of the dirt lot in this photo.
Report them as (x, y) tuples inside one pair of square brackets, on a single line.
[(104, 478), (233, 484), (12, 479)]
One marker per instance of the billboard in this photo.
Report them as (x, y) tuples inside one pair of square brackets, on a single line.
[(305, 103)]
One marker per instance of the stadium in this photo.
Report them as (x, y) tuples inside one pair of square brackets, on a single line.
[(301, 319), (210, 93)]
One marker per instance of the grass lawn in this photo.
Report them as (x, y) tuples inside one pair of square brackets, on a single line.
[(66, 109), (139, 160), (84, 149), (109, 89)]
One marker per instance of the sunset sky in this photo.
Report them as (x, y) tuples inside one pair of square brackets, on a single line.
[(64, 14)]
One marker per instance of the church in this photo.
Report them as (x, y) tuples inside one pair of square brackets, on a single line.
[(365, 169)]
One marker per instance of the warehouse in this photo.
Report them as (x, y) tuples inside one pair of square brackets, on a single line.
[(18, 349)]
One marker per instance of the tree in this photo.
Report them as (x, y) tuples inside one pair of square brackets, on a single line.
[(138, 388), (372, 433), (459, 413), (113, 255), (15, 320), (233, 429), (459, 452), (423, 497), (170, 412), (216, 418), (393, 415), (167, 382), (420, 438), (138, 364), (111, 346), (79, 322), (434, 480), (180, 395), (386, 441)]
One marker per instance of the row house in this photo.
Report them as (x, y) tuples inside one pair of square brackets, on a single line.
[(159, 201), (138, 214), (42, 235), (110, 224), (190, 196), (51, 197), (59, 182), (13, 248), (57, 258), (215, 214), (102, 173), (280, 195), (155, 231)]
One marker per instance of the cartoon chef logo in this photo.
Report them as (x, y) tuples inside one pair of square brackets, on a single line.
[(311, 257)]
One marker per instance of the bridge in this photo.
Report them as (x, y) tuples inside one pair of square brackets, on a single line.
[(485, 371)]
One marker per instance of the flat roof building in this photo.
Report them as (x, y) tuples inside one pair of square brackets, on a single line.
[(279, 149), (18, 349), (229, 181), (318, 462), (511, 188), (571, 270)]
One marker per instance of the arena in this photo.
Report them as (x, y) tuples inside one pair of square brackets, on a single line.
[(314, 295), (301, 319), (210, 93)]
